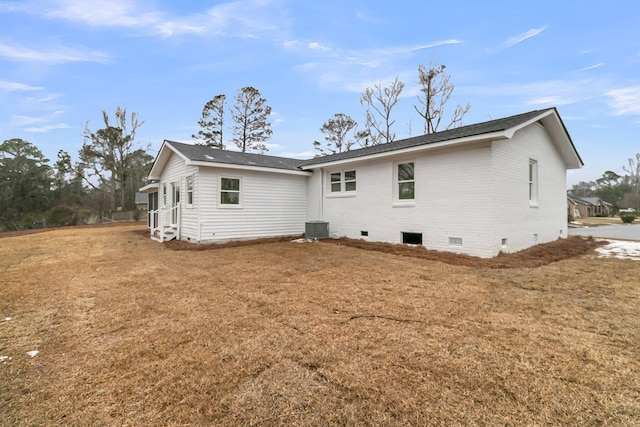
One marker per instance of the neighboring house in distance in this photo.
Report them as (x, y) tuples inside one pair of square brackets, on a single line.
[(572, 208), (588, 207), (512, 171), (142, 201)]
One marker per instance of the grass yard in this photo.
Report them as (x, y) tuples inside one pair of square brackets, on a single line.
[(130, 332)]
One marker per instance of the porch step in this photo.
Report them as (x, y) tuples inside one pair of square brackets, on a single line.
[(168, 233)]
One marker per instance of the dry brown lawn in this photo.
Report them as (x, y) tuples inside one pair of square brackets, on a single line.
[(133, 333)]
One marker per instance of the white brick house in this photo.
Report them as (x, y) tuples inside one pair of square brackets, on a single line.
[(478, 189)]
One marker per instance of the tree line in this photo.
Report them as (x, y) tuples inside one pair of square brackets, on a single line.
[(622, 191), (251, 126), (109, 171)]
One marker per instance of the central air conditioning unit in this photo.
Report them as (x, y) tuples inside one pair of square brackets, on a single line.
[(316, 230)]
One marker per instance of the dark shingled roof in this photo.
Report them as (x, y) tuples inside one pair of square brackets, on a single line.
[(206, 154), (201, 153), (456, 133)]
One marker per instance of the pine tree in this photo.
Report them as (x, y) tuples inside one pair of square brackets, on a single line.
[(251, 115)]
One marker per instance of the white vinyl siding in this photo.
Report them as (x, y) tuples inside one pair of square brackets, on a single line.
[(176, 172), (189, 191), (533, 183), (272, 204)]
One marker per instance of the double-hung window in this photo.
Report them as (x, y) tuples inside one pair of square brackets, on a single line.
[(343, 182), (533, 182), (230, 191), (189, 191), (406, 181)]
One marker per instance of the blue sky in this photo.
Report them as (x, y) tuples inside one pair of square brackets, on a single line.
[(63, 61)]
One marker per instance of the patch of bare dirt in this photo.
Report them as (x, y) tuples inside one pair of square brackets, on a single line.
[(535, 256)]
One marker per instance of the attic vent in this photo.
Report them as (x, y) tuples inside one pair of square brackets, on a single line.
[(316, 230), (209, 157)]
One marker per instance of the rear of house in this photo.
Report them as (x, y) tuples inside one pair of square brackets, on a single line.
[(207, 195), (478, 190)]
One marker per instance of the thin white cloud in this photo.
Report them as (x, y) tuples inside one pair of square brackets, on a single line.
[(592, 67), (22, 120), (354, 70), (543, 93), (318, 46), (14, 86), (114, 13), (625, 101), (524, 36), (47, 128), (52, 55), (411, 49), (236, 18)]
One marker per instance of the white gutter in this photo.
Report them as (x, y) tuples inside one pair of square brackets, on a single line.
[(424, 147), (245, 167)]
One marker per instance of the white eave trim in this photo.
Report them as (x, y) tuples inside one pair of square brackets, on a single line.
[(163, 157), (247, 167), (493, 136), (150, 188)]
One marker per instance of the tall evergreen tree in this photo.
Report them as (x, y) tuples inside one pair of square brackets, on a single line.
[(25, 182), (336, 131), (251, 115), (212, 123)]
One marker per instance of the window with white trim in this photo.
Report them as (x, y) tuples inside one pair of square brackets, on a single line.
[(406, 181), (230, 191), (341, 182), (190, 191), (533, 182), (164, 195)]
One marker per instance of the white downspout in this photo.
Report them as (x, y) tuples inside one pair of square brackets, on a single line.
[(322, 194)]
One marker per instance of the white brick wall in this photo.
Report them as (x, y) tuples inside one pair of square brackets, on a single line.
[(449, 186), (515, 219), (474, 195)]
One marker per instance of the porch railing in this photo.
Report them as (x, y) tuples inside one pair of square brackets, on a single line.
[(164, 221)]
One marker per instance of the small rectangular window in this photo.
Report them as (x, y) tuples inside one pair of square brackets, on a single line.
[(350, 181), (230, 191), (164, 195), (455, 241), (533, 182), (364, 233), (406, 181), (342, 181), (189, 190), (412, 238), (336, 182)]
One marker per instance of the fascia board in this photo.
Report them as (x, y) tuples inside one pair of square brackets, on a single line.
[(244, 167), (493, 136), (162, 159)]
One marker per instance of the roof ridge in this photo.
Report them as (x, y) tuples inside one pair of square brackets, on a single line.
[(489, 126)]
